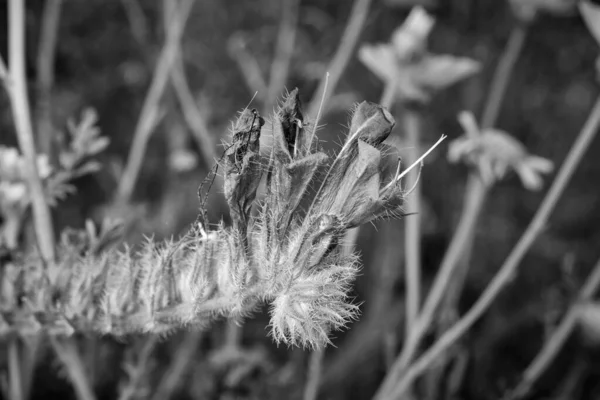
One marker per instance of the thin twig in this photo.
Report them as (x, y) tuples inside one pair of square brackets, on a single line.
[(42, 219), (67, 352), (45, 76), (338, 64), (396, 384), (311, 388), (558, 338), (286, 37), (149, 115)]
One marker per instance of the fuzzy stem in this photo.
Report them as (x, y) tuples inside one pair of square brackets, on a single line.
[(42, 218), (315, 367), (286, 37), (67, 352), (556, 341), (412, 236), (45, 78), (149, 116), (397, 383), (356, 22)]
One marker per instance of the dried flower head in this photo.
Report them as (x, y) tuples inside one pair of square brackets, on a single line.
[(494, 152), (406, 63), (283, 249)]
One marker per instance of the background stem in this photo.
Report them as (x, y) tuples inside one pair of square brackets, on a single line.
[(42, 218)]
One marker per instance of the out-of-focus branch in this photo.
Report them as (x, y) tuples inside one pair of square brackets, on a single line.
[(556, 341), (45, 78), (315, 367), (248, 65), (150, 114), (42, 219), (67, 352), (3, 70), (397, 383), (450, 280), (180, 362), (192, 115), (338, 64), (138, 22), (137, 371), (14, 370), (280, 67)]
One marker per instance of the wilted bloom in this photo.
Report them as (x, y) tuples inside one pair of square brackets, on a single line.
[(494, 152), (284, 249), (405, 61)]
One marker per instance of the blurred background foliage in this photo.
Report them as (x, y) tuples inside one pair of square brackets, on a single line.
[(105, 57)]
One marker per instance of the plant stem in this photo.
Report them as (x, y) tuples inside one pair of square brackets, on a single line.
[(412, 236), (502, 75), (356, 22), (399, 382), (66, 350), (149, 116), (558, 338), (191, 114), (311, 389), (14, 370), (280, 67), (42, 219), (45, 78), (476, 190)]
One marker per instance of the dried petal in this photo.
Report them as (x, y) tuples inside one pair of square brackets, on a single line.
[(242, 168)]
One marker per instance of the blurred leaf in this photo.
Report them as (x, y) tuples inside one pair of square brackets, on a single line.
[(591, 15)]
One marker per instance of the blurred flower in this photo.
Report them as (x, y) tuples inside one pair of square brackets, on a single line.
[(405, 62), (494, 152), (527, 10)]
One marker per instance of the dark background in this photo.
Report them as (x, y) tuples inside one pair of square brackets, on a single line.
[(100, 64)]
